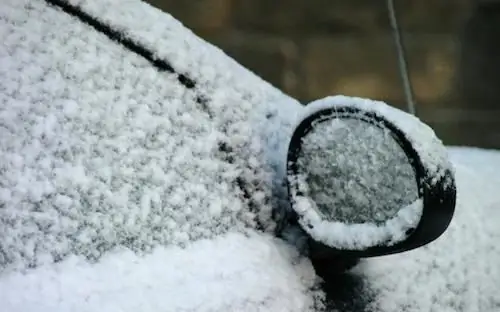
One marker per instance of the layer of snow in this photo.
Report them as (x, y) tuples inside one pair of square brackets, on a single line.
[(357, 236), (236, 95), (62, 83), (99, 149), (430, 148), (458, 272), (103, 158), (229, 273)]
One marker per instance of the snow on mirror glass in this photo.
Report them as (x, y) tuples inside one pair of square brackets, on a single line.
[(355, 173)]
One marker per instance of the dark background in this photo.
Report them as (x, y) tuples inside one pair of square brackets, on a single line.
[(311, 49)]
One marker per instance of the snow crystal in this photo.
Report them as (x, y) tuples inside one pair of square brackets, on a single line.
[(229, 273)]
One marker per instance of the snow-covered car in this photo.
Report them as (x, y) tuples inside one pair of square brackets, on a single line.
[(142, 169)]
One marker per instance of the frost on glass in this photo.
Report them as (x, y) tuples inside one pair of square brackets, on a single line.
[(356, 172)]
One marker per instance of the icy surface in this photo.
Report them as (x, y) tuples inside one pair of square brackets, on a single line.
[(99, 149), (229, 273), (355, 172)]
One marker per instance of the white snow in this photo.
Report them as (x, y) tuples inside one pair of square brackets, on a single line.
[(99, 151), (104, 158), (429, 147), (459, 271), (229, 273), (358, 236), (358, 187), (237, 95)]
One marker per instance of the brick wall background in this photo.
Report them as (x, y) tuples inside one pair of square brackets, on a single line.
[(311, 49)]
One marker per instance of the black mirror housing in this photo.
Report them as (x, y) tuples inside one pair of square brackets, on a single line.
[(426, 154)]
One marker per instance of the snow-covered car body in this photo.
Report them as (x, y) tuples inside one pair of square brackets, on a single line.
[(140, 166)]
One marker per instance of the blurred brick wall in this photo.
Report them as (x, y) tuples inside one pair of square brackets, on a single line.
[(311, 49)]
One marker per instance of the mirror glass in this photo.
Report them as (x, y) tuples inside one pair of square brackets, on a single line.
[(355, 171)]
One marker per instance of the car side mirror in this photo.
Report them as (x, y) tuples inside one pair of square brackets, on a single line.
[(366, 179)]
